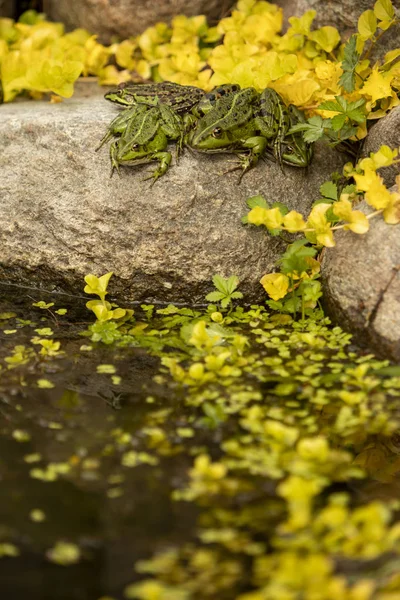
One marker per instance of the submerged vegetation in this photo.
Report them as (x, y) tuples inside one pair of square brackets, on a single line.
[(275, 429)]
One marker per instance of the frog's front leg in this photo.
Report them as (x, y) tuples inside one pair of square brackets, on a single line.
[(165, 160), (257, 146)]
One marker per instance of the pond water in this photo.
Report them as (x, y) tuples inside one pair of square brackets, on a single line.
[(241, 455)]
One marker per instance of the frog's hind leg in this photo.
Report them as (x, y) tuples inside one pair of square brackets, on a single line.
[(114, 158), (104, 139), (173, 127), (273, 120), (119, 124)]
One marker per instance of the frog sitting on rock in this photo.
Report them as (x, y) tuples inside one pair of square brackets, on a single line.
[(227, 119)]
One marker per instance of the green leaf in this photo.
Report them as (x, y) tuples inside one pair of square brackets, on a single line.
[(349, 64), (257, 201), (293, 258), (338, 121), (31, 17), (392, 371), (349, 189), (352, 111), (232, 283), (237, 295), (356, 110), (215, 296), (252, 203), (220, 283), (367, 25), (329, 190), (282, 207), (225, 290), (313, 129)]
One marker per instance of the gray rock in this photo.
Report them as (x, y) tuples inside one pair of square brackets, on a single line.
[(361, 277), (385, 131), (62, 217), (344, 15), (125, 18)]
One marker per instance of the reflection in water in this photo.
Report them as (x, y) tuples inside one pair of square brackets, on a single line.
[(236, 465)]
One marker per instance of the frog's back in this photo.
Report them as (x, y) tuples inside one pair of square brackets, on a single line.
[(179, 97), (230, 111)]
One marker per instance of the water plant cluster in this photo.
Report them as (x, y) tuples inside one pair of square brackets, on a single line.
[(286, 431)]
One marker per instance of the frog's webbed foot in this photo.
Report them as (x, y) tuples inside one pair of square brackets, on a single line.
[(244, 164), (165, 161)]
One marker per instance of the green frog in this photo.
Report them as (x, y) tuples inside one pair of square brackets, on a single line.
[(181, 98), (243, 120), (133, 96), (145, 138)]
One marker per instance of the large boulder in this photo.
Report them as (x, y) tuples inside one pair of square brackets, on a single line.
[(361, 278), (385, 131), (125, 18), (62, 217)]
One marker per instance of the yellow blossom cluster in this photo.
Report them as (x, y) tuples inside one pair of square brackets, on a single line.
[(304, 65)]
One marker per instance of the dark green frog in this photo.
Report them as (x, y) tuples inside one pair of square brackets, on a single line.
[(244, 121)]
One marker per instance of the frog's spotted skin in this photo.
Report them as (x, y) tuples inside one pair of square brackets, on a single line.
[(146, 137), (169, 99), (237, 121), (179, 97), (209, 100), (221, 125), (118, 125)]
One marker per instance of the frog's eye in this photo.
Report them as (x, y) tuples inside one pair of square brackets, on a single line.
[(217, 132), (135, 146)]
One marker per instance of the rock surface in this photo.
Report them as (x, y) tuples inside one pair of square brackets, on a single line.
[(344, 15), (62, 217), (385, 131), (125, 18), (362, 285)]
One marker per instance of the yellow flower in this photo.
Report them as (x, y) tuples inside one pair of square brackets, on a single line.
[(275, 284)]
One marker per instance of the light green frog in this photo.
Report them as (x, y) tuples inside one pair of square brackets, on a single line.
[(168, 101), (145, 138)]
